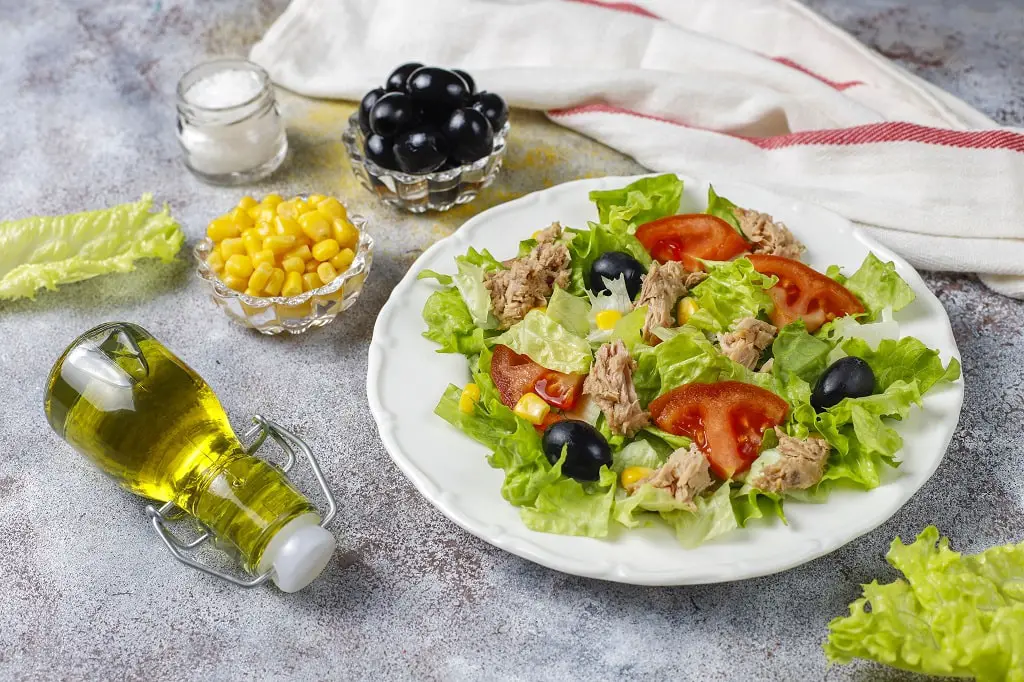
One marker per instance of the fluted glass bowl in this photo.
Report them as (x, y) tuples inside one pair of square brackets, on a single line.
[(293, 314), (421, 192)]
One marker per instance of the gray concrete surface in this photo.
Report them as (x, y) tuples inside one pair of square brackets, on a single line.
[(88, 592)]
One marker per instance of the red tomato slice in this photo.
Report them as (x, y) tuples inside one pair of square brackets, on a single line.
[(726, 420), (689, 237), (804, 294), (558, 389), (515, 375)]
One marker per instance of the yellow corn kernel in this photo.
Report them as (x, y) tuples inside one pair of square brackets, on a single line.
[(265, 230), (345, 233), (294, 264), (272, 200), (247, 202), (222, 228), (632, 476), (470, 395), (311, 281), (231, 246), (607, 319), (541, 308), (343, 260), (301, 251), (215, 261), (263, 256), (275, 283), (249, 291), (532, 408), (266, 214), (536, 234), (315, 225), (255, 211), (331, 207), (236, 283), (292, 285), (260, 276), (253, 242), (239, 217), (302, 206), (239, 266), (314, 199), (279, 243), (311, 265), (287, 209), (685, 309), (326, 250), (287, 226), (326, 272)]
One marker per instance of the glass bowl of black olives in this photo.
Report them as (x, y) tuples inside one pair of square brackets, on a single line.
[(427, 140)]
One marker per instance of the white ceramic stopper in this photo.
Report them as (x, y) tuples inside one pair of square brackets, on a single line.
[(298, 553)]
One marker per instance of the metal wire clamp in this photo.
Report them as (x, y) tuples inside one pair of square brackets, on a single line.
[(256, 436)]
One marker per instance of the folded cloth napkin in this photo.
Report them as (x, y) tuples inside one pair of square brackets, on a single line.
[(762, 91)]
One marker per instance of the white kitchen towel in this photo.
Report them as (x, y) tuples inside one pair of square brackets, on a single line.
[(763, 91)]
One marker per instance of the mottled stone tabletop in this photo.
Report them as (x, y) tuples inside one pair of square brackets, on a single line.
[(88, 591)]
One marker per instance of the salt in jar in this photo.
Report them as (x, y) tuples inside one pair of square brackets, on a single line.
[(228, 124)]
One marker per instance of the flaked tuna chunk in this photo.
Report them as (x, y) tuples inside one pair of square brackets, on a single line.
[(664, 285), (686, 474), (610, 384), (528, 281), (749, 338), (801, 464), (767, 236)]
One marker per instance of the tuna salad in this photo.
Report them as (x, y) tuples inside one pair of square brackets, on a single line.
[(686, 369)]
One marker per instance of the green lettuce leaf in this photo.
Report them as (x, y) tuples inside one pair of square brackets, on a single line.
[(878, 286), (906, 359), (43, 252), (548, 343), (684, 358), (720, 207), (568, 507), (450, 324), (587, 245), (570, 311), (798, 353), (639, 453), (640, 202), (469, 280), (732, 291), (712, 516), (950, 614)]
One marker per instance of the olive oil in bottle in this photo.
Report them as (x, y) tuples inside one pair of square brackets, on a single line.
[(149, 421)]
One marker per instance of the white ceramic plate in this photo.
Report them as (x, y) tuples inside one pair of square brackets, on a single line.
[(407, 377)]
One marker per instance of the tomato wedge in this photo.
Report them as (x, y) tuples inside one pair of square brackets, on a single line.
[(515, 375), (726, 420), (690, 237), (804, 294)]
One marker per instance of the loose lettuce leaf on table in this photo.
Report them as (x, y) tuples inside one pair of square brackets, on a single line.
[(950, 614), (43, 252)]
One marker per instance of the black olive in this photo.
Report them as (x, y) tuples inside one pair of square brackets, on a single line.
[(470, 83), (493, 107), (369, 99), (586, 450), (437, 90), (848, 377), (470, 135), (393, 113), (612, 265), (381, 151), (420, 151), (396, 81)]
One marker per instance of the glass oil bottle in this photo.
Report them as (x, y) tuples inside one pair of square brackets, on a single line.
[(145, 418)]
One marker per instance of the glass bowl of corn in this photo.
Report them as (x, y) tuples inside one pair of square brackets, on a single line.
[(281, 265)]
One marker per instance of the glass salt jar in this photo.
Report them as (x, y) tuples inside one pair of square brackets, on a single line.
[(229, 127)]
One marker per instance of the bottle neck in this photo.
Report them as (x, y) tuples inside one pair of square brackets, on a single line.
[(244, 502)]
